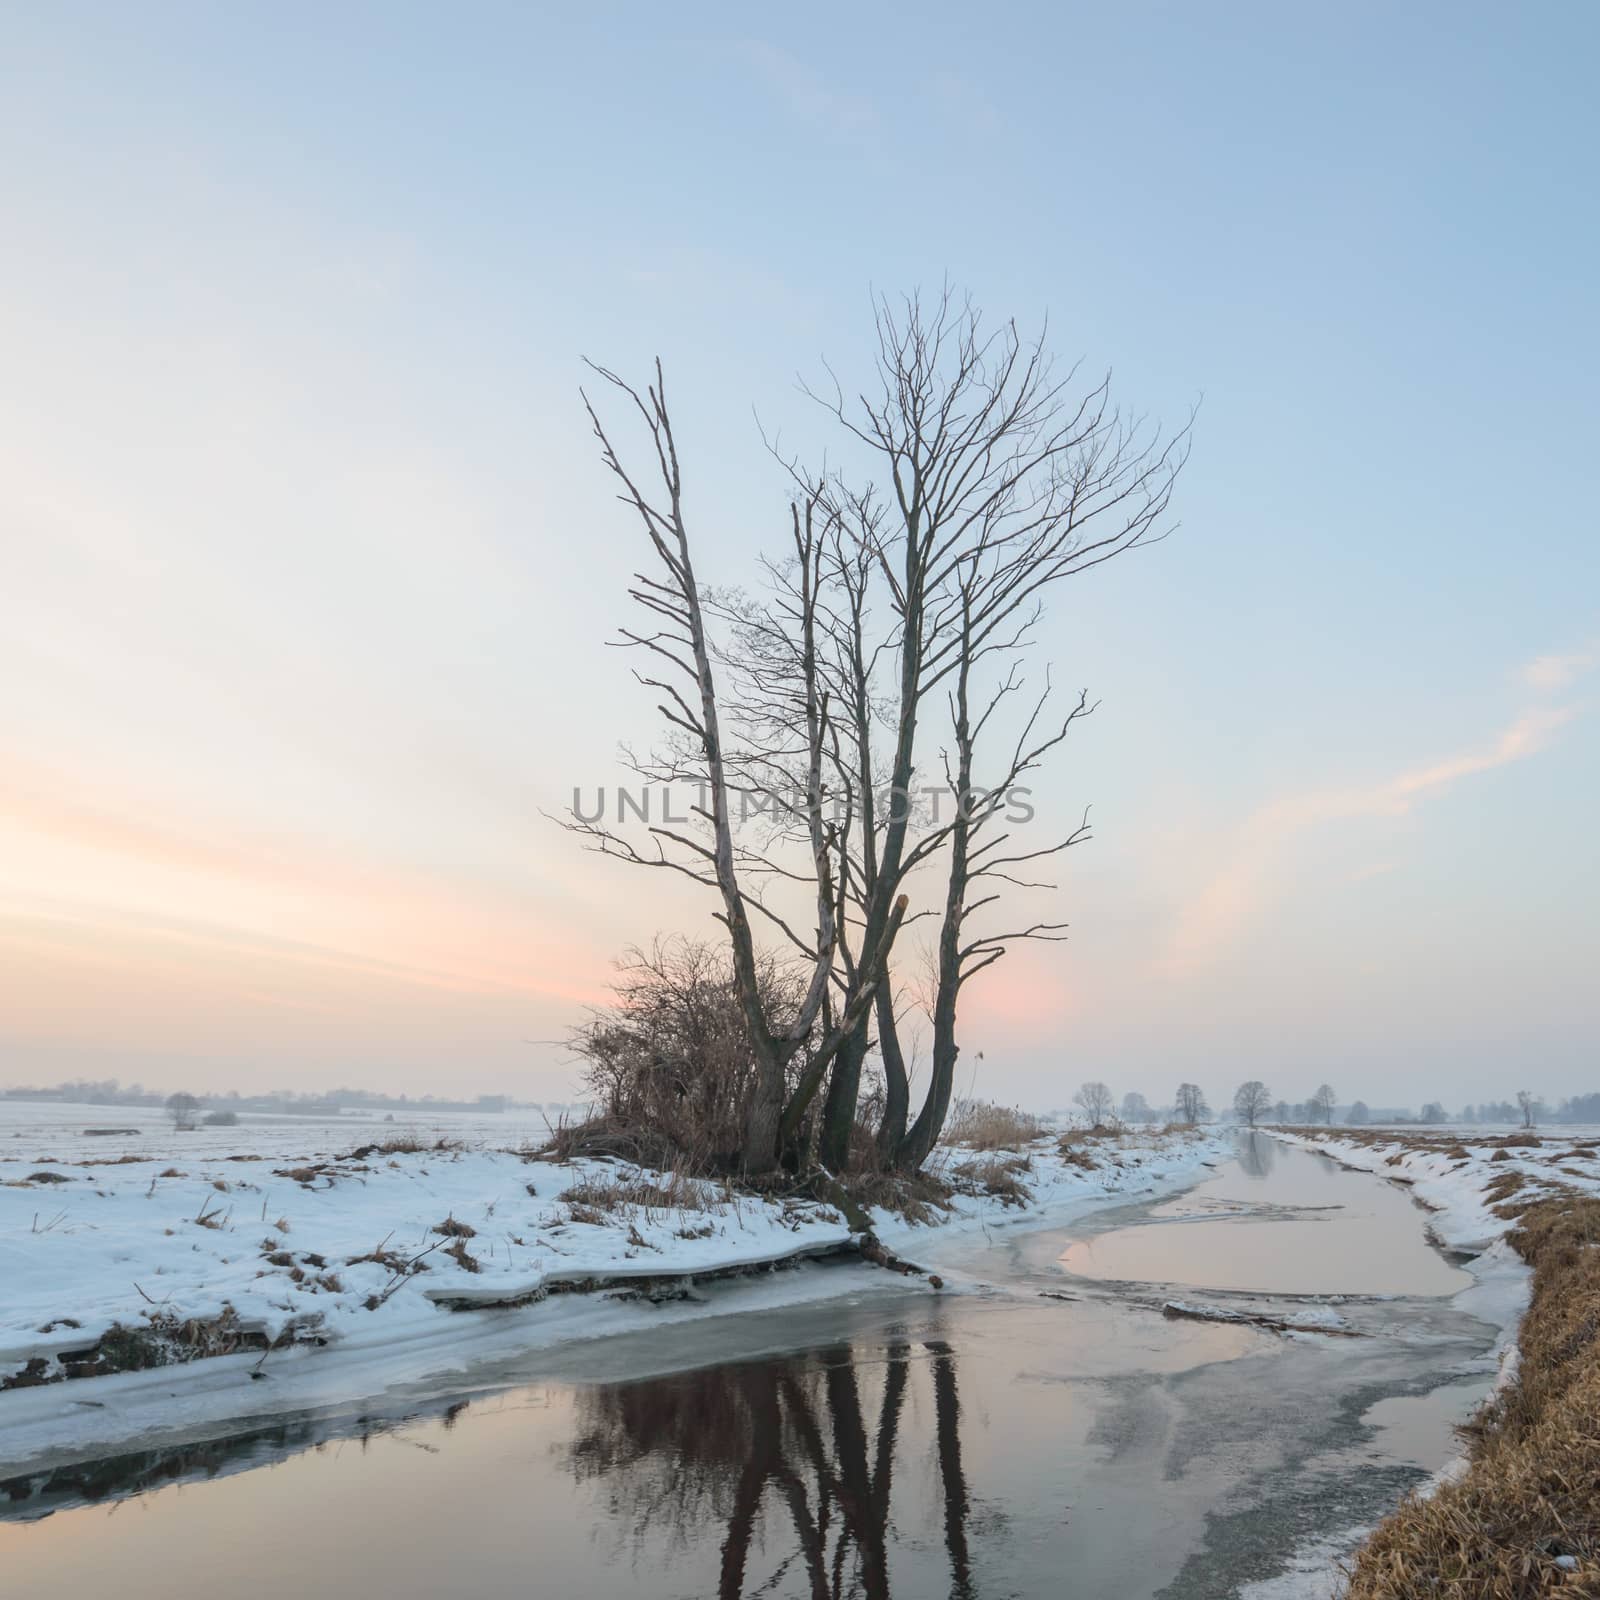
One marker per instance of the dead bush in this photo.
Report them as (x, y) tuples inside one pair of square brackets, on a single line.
[(669, 1064)]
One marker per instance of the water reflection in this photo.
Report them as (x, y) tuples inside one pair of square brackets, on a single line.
[(787, 1468), (1257, 1152), (31, 1496), (796, 1456)]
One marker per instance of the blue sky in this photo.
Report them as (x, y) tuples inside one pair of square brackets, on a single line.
[(311, 559)]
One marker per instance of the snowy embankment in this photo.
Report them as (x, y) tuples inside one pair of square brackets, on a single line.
[(123, 1256), (1472, 1183)]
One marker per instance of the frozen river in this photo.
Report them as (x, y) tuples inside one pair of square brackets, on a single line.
[(1050, 1432)]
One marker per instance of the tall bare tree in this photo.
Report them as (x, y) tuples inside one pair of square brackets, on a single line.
[(1191, 1103), (679, 639), (895, 625), (1001, 476)]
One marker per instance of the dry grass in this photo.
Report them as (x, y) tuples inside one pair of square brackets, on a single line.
[(624, 1196), (997, 1177), (981, 1125), (463, 1257), (1524, 1519)]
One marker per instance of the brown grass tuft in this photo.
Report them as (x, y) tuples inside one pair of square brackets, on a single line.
[(459, 1253)]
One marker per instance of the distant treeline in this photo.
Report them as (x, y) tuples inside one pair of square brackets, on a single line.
[(282, 1102)]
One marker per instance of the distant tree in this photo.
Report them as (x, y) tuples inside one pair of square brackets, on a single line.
[(1359, 1115), (1135, 1108), (1280, 1112), (1581, 1108), (1321, 1104), (1528, 1105), (184, 1110), (1094, 1100), (1191, 1103), (1433, 1112), (221, 1119), (1250, 1101)]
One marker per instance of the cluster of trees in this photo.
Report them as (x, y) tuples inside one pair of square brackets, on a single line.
[(870, 711), (1099, 1106)]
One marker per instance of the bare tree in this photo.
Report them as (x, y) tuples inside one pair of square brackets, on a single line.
[(1135, 1108), (1320, 1106), (1528, 1104), (679, 638), (1094, 1100), (1251, 1101), (184, 1109), (897, 618), (1191, 1103), (1359, 1115), (1003, 477)]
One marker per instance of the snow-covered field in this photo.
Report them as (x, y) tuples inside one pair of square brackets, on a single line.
[(363, 1238)]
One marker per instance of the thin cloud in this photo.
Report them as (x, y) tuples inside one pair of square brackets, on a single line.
[(1553, 672), (1242, 888)]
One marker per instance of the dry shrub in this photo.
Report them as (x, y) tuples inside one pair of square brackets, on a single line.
[(1524, 1519), (669, 1064), (452, 1229), (981, 1125)]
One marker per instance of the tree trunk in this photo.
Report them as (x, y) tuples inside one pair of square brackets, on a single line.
[(839, 1109), (896, 1082)]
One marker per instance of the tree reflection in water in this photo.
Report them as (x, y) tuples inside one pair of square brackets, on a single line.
[(794, 1455), (1257, 1152)]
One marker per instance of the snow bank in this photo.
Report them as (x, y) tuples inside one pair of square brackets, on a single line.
[(213, 1243)]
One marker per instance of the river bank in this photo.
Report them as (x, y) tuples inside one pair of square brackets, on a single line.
[(1040, 1416), (1517, 1514), (166, 1281)]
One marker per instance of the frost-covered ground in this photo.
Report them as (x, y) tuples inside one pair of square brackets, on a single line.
[(363, 1238)]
